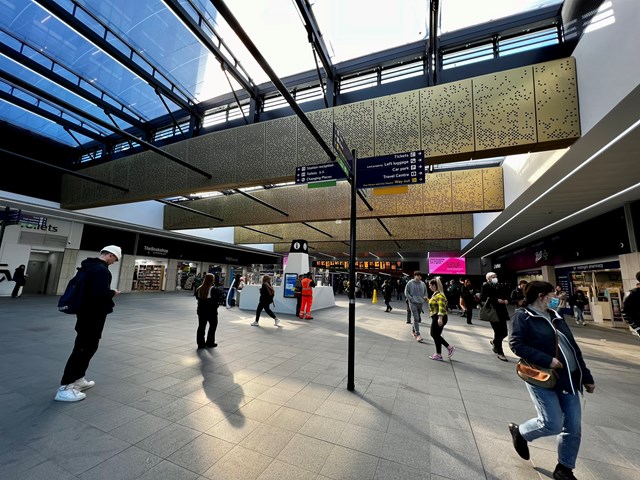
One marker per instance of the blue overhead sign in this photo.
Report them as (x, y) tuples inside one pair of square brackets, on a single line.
[(319, 173), (391, 170)]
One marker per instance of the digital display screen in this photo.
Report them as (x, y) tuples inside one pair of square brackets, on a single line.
[(447, 266), (289, 284)]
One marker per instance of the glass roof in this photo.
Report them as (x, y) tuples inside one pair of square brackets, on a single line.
[(162, 48)]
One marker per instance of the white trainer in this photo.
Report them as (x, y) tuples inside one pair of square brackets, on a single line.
[(66, 393), (276, 321), (254, 324), (83, 384)]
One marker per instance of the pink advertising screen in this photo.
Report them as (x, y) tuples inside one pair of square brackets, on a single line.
[(447, 266)]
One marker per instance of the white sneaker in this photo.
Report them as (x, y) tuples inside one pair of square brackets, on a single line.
[(83, 384), (66, 393), (254, 324), (276, 321)]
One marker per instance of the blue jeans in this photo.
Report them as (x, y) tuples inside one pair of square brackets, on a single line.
[(416, 310), (558, 414), (579, 314)]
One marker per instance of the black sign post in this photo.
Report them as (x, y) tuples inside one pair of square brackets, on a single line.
[(347, 160), (352, 281)]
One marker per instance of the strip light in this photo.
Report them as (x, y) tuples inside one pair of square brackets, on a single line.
[(558, 183)]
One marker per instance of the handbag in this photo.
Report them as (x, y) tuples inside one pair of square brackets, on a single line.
[(488, 313), (536, 375)]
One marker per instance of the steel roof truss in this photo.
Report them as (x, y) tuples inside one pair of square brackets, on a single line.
[(174, 93), (234, 67)]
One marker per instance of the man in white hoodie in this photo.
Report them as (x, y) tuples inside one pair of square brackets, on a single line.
[(416, 293)]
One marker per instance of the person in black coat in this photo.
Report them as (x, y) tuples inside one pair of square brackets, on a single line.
[(491, 292), (208, 297), (387, 291), (91, 317), (20, 278), (266, 299), (541, 336)]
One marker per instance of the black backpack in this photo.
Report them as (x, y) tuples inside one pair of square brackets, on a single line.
[(72, 299)]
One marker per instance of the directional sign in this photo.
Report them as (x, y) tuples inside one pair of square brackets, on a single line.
[(389, 170), (319, 173), (345, 157)]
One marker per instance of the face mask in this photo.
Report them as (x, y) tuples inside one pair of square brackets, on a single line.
[(494, 280), (553, 303)]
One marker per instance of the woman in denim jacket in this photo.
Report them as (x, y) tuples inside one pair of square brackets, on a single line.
[(533, 338)]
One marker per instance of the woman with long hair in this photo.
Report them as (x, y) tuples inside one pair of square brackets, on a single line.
[(266, 298), (207, 295), (541, 336), (438, 310)]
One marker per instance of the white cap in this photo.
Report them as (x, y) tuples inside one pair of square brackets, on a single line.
[(117, 251)]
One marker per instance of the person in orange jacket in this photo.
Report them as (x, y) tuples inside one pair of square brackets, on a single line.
[(307, 296)]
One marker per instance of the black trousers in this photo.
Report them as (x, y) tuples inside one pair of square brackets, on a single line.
[(210, 318), (436, 333), (469, 313), (266, 308), (500, 332), (16, 289), (84, 349), (89, 331), (298, 305)]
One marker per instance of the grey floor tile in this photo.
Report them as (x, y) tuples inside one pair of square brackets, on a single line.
[(239, 464), (139, 428), (257, 393), (306, 452), (130, 463), (201, 453), (168, 440), (268, 440), (347, 464), (278, 470), (234, 428)]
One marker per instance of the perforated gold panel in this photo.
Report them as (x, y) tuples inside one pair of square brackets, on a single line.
[(412, 201), (504, 109), (447, 119), (200, 154), (505, 122), (280, 136), (556, 91), (225, 157), (493, 187), (309, 151), (397, 123), (466, 187), (175, 180), (355, 122), (411, 228), (437, 190), (250, 161), (321, 204)]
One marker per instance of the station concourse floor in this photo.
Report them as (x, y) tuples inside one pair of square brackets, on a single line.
[(272, 403)]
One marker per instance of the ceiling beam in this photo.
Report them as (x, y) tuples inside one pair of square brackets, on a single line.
[(50, 74), (65, 170), (165, 87), (315, 37), (22, 84), (235, 68), (29, 107)]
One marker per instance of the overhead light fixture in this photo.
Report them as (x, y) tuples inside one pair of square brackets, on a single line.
[(400, 254), (373, 254)]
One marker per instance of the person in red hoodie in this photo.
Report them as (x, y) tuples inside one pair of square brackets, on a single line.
[(307, 296)]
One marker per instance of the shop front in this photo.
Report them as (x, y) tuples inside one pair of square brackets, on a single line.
[(602, 284)]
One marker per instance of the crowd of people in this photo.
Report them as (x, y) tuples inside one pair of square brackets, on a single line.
[(539, 336)]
